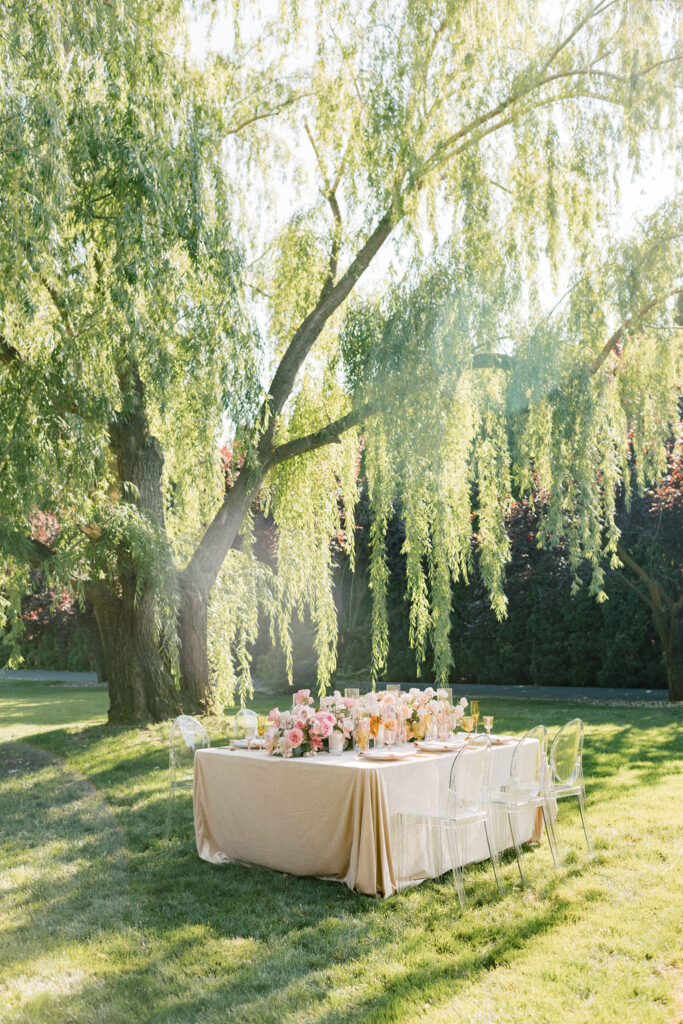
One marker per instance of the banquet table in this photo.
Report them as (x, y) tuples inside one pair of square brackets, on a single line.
[(336, 817)]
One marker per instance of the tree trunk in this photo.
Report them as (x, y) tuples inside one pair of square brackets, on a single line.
[(194, 655), (673, 656), (141, 687), (195, 589)]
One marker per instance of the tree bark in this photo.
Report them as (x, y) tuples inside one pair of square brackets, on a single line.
[(673, 654), (141, 688), (141, 684), (195, 588)]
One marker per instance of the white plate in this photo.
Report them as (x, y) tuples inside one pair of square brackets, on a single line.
[(256, 743), (437, 747), (384, 754)]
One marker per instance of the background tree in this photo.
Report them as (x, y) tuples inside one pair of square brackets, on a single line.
[(485, 141), (651, 550)]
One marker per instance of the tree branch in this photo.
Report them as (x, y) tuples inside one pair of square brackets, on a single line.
[(329, 194), (329, 434), (8, 353), (262, 115), (492, 361), (614, 339), (655, 590), (309, 330)]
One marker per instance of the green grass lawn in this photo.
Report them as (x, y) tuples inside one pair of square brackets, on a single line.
[(102, 921)]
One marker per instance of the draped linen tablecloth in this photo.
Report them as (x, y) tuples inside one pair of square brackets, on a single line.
[(335, 817)]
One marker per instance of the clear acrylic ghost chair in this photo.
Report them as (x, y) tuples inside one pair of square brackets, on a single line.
[(566, 770), (528, 789), (467, 806), (186, 736)]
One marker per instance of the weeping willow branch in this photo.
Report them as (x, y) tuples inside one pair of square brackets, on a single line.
[(329, 434), (615, 338)]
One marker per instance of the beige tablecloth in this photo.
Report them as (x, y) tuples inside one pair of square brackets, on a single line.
[(334, 817)]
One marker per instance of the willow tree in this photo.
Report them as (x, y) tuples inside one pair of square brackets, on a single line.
[(449, 166)]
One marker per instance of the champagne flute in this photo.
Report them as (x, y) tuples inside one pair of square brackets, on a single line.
[(474, 709), (230, 728), (467, 724), (374, 728), (262, 723), (389, 732), (488, 723)]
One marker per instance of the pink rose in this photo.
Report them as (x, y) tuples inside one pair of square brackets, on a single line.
[(274, 715), (295, 737), (303, 697), (348, 702), (326, 727)]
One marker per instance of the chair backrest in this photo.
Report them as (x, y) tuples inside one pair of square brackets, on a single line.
[(468, 788), (529, 764), (186, 736), (566, 753)]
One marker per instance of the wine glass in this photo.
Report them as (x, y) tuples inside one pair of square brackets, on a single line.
[(374, 728), (467, 724), (362, 735), (249, 732), (488, 723), (230, 728), (389, 732), (474, 711)]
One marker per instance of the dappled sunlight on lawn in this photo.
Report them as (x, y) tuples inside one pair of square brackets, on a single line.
[(30, 708), (105, 922)]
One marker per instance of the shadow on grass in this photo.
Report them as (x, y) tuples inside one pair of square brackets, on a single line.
[(187, 940)]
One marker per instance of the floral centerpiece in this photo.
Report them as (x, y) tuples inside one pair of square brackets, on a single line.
[(304, 731), (418, 705), (301, 732)]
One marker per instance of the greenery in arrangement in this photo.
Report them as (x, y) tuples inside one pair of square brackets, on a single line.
[(451, 165), (102, 921)]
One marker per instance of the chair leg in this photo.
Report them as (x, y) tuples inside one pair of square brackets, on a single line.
[(169, 809), (514, 830), (457, 866), (581, 797), (495, 862), (552, 835)]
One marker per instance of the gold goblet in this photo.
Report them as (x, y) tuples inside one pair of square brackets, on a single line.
[(488, 723), (468, 724)]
